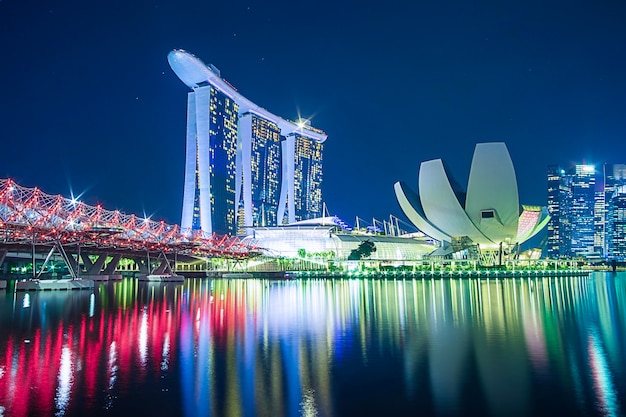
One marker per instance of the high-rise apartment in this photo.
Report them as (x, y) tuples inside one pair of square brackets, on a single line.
[(244, 165)]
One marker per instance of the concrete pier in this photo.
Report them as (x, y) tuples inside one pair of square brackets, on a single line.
[(96, 278), (54, 284), (161, 278)]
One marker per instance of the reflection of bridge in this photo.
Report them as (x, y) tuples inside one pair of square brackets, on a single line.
[(38, 223)]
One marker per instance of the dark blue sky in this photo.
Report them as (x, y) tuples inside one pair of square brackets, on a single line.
[(88, 101)]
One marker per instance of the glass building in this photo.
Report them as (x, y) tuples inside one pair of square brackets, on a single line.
[(582, 210), (559, 200), (614, 196), (245, 166), (617, 214)]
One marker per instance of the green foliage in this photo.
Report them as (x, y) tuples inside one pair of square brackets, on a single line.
[(365, 250)]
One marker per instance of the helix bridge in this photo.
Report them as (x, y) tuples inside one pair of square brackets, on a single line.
[(32, 221)]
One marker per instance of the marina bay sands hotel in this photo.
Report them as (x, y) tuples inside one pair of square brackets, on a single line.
[(244, 165)]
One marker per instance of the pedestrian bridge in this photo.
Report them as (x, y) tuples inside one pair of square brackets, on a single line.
[(44, 226)]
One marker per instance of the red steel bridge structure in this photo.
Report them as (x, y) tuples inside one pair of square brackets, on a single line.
[(33, 221)]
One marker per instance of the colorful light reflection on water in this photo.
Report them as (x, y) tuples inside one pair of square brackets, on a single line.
[(524, 346)]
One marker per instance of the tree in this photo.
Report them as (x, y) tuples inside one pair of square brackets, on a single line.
[(364, 250)]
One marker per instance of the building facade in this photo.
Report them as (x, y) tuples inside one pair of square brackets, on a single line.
[(582, 210), (587, 210), (245, 167), (574, 226), (301, 198), (614, 196), (559, 198)]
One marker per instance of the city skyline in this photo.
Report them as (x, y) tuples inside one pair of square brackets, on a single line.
[(587, 205), (89, 106)]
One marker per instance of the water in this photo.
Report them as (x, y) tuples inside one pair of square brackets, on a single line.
[(524, 346)]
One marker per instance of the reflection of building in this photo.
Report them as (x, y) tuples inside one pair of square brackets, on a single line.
[(244, 165), (487, 216)]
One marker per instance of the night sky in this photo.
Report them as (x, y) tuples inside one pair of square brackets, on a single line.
[(89, 105)]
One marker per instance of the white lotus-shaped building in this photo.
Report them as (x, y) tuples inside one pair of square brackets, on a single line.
[(488, 214)]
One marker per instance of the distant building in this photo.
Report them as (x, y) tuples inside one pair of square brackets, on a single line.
[(581, 211), (587, 212), (559, 237), (615, 235), (245, 166), (617, 214)]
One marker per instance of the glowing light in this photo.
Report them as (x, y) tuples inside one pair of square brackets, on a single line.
[(143, 337), (62, 398), (602, 382), (92, 304)]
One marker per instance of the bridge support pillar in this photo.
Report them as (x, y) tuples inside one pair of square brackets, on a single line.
[(165, 267), (112, 266), (3, 255), (94, 269), (143, 264)]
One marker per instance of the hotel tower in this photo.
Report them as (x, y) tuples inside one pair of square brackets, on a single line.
[(244, 165)]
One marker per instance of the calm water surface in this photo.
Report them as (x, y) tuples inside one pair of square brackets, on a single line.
[(531, 346)]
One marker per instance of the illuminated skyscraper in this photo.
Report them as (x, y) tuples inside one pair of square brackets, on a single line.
[(582, 210), (301, 199), (617, 234), (559, 199), (209, 193), (260, 156), (615, 206), (576, 213), (241, 164)]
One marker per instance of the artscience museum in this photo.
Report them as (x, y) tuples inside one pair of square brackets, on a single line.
[(485, 219)]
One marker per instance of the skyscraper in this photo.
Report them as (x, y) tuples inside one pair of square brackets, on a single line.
[(301, 199), (614, 196), (240, 158), (617, 214), (559, 199), (582, 210), (260, 154)]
